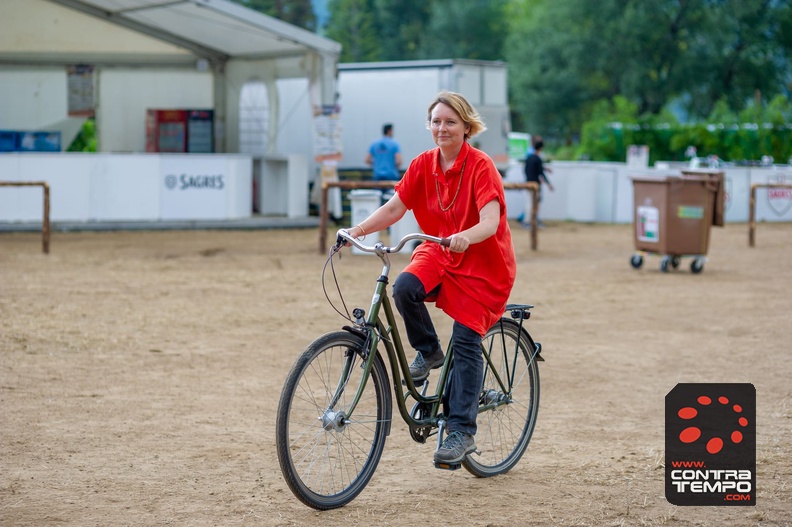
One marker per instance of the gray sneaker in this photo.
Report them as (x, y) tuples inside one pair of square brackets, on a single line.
[(420, 367), (455, 447)]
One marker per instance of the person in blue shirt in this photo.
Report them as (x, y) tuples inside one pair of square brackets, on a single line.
[(384, 156)]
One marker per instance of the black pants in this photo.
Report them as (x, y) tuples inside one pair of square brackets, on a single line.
[(461, 396)]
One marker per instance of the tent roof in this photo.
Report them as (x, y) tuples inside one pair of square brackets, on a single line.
[(212, 29)]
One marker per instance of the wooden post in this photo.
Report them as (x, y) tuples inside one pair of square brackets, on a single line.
[(752, 208), (323, 218), (351, 185), (45, 224), (535, 217), (751, 217), (45, 220), (533, 188)]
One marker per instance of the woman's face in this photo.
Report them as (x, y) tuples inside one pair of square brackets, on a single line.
[(448, 130)]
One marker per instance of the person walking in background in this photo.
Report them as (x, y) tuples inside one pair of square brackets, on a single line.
[(455, 192), (535, 172), (384, 156)]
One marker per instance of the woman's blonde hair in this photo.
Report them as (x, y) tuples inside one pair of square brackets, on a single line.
[(464, 109)]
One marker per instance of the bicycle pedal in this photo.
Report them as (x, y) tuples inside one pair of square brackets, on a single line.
[(447, 466)]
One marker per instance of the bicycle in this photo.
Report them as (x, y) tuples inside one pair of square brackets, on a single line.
[(335, 408)]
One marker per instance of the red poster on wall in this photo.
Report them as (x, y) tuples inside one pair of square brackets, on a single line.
[(180, 131), (166, 131)]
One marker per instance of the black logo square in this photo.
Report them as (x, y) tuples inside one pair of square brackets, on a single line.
[(710, 440)]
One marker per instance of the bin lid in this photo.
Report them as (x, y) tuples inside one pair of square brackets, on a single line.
[(718, 179), (365, 193), (653, 178)]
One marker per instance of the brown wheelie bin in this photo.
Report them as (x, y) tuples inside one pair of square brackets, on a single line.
[(673, 215)]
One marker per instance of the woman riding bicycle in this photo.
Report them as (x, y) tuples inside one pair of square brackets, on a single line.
[(455, 192)]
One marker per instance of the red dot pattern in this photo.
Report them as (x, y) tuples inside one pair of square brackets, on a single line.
[(714, 445), (688, 413), (692, 434)]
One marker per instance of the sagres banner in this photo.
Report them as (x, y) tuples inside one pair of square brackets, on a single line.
[(710, 441)]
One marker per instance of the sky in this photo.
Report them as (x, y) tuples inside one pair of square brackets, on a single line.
[(320, 8)]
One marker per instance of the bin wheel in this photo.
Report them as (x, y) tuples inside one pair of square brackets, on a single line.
[(697, 265), (664, 263), (675, 262), (636, 261)]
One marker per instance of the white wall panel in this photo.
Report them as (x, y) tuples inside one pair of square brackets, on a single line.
[(32, 97), (126, 94), (111, 187)]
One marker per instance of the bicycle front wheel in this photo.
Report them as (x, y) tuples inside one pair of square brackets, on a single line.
[(509, 400), (327, 456)]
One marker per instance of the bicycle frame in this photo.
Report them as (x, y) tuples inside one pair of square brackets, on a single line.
[(376, 331)]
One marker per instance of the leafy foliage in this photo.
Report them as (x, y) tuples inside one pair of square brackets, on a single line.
[(86, 139), (594, 77), (297, 12), (402, 25), (742, 137), (470, 29), (354, 23), (394, 30), (567, 55)]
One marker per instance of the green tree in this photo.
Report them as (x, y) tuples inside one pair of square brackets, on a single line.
[(296, 12), (402, 25), (466, 29), (353, 23), (86, 139), (741, 49), (546, 55), (610, 130), (565, 55)]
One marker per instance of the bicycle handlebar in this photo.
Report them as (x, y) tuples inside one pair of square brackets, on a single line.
[(342, 237)]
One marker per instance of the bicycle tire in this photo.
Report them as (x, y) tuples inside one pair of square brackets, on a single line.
[(325, 459), (503, 432)]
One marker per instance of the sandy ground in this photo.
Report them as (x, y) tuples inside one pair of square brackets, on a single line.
[(140, 372)]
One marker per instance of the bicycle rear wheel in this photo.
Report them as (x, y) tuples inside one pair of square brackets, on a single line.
[(507, 412), (327, 457)]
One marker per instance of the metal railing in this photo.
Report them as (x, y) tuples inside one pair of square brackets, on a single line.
[(352, 185)]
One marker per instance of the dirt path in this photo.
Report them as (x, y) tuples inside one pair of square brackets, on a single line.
[(139, 374)]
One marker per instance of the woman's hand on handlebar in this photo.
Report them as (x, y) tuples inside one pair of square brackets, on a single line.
[(340, 240), (356, 232), (459, 243), (346, 237)]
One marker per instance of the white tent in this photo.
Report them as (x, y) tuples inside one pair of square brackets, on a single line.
[(139, 54)]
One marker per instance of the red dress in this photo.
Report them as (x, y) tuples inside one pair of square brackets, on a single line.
[(477, 282)]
